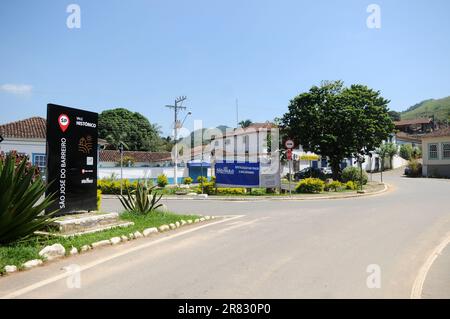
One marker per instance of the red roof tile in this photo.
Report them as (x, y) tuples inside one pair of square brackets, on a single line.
[(438, 133), (141, 157), (412, 122), (33, 128)]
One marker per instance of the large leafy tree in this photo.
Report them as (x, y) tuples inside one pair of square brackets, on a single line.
[(121, 126), (338, 122)]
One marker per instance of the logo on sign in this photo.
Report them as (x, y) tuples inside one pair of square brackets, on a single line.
[(64, 122), (85, 145)]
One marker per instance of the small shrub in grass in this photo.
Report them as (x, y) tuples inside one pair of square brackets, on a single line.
[(333, 186), (353, 174), (230, 191), (112, 187), (208, 188), (202, 179), (350, 185), (310, 186), (258, 191), (143, 200), (162, 180), (187, 181)]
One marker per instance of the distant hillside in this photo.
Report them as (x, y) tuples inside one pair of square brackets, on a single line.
[(439, 108)]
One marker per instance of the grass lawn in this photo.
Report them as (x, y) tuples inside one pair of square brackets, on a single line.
[(20, 252)]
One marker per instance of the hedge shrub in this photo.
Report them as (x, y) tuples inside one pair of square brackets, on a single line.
[(350, 185), (310, 185), (162, 180), (353, 174), (111, 187), (230, 191), (187, 181), (333, 186)]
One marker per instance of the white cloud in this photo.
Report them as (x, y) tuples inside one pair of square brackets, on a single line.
[(16, 88)]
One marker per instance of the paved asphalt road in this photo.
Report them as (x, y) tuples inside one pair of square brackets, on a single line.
[(292, 249)]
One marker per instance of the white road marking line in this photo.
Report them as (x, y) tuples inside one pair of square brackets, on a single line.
[(53, 279), (416, 292), (240, 224)]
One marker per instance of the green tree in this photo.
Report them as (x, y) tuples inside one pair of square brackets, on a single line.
[(245, 123), (130, 128), (387, 150), (338, 122), (395, 116), (406, 151)]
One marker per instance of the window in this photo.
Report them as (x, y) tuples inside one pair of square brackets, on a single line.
[(216, 143), (227, 141), (433, 152), (446, 150), (40, 161)]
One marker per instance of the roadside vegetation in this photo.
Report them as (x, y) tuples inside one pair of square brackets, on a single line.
[(18, 252), (22, 213)]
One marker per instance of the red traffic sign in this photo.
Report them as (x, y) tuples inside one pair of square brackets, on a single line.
[(289, 144), (289, 154)]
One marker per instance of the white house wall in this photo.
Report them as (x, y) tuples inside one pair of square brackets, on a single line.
[(141, 172), (28, 147)]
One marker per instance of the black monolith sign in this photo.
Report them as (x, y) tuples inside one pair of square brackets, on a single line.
[(72, 142)]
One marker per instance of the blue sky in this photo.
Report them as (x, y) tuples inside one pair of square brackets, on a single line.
[(142, 54)]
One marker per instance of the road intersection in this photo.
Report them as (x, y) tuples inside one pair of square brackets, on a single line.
[(271, 249)]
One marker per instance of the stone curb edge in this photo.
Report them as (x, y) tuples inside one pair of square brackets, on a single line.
[(57, 251)]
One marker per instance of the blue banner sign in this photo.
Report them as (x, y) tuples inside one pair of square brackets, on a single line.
[(237, 174)]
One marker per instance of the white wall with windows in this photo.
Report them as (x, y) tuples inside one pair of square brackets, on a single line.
[(33, 148), (436, 156)]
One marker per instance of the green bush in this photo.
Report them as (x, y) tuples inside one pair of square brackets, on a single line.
[(202, 179), (333, 186), (162, 181), (112, 187), (21, 208), (310, 185), (208, 188), (187, 181), (230, 191), (416, 153), (406, 151), (415, 168), (142, 201), (258, 191), (99, 199), (353, 174), (350, 185)]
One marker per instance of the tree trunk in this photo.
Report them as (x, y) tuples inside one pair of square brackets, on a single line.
[(336, 168)]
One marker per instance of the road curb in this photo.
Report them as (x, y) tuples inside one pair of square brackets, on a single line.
[(416, 291), (111, 241)]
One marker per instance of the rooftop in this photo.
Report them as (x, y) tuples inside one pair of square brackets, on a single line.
[(32, 128), (438, 133), (141, 157), (413, 122)]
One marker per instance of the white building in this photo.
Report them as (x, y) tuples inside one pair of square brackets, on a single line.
[(26, 137), (436, 153)]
